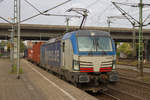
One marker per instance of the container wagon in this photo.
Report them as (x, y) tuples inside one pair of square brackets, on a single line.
[(36, 52), (30, 54)]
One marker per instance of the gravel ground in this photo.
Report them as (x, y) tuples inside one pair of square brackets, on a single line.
[(132, 72), (130, 85)]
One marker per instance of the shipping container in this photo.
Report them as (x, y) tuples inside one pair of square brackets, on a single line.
[(36, 52), (51, 54), (30, 54)]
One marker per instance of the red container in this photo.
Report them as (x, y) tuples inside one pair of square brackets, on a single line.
[(30, 54), (36, 52)]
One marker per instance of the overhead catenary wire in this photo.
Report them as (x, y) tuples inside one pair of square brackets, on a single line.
[(47, 14), (104, 11), (128, 4), (32, 6), (45, 11), (146, 18), (125, 14), (5, 20), (111, 18), (132, 4), (137, 12), (107, 8), (129, 17), (63, 15), (118, 17)]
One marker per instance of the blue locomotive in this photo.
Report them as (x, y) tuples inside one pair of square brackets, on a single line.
[(86, 58)]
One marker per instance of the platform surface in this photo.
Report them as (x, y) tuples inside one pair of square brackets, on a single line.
[(36, 84)]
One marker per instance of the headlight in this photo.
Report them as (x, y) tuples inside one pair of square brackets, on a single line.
[(76, 65)]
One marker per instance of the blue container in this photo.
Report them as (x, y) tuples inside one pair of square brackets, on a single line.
[(51, 54)]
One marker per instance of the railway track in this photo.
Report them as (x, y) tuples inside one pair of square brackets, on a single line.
[(111, 96), (104, 96), (121, 94), (137, 82), (126, 89), (130, 89)]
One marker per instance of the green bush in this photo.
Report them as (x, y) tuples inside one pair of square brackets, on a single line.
[(126, 49), (118, 54), (1, 55)]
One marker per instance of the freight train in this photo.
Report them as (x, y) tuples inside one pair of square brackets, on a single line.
[(86, 58)]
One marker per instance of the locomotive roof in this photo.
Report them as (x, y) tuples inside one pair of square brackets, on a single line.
[(79, 33), (96, 32), (86, 33)]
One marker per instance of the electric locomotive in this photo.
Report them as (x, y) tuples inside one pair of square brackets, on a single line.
[(86, 58)]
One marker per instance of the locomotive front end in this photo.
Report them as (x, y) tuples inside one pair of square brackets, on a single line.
[(95, 57)]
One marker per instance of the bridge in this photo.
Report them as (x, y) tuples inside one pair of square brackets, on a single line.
[(44, 32)]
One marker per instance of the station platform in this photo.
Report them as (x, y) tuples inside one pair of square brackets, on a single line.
[(36, 84)]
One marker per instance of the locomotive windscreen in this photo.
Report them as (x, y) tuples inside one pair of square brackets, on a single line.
[(94, 43)]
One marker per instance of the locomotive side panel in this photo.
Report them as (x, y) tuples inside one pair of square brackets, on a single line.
[(68, 55)]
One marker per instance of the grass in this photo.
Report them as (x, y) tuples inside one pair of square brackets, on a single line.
[(1, 55), (14, 70), (146, 79)]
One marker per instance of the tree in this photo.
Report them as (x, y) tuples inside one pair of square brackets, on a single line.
[(8, 44), (3, 43), (125, 48), (22, 46)]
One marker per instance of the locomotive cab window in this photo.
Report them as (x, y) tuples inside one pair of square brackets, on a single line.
[(94, 44)]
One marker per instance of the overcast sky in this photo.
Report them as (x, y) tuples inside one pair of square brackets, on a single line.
[(99, 10)]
